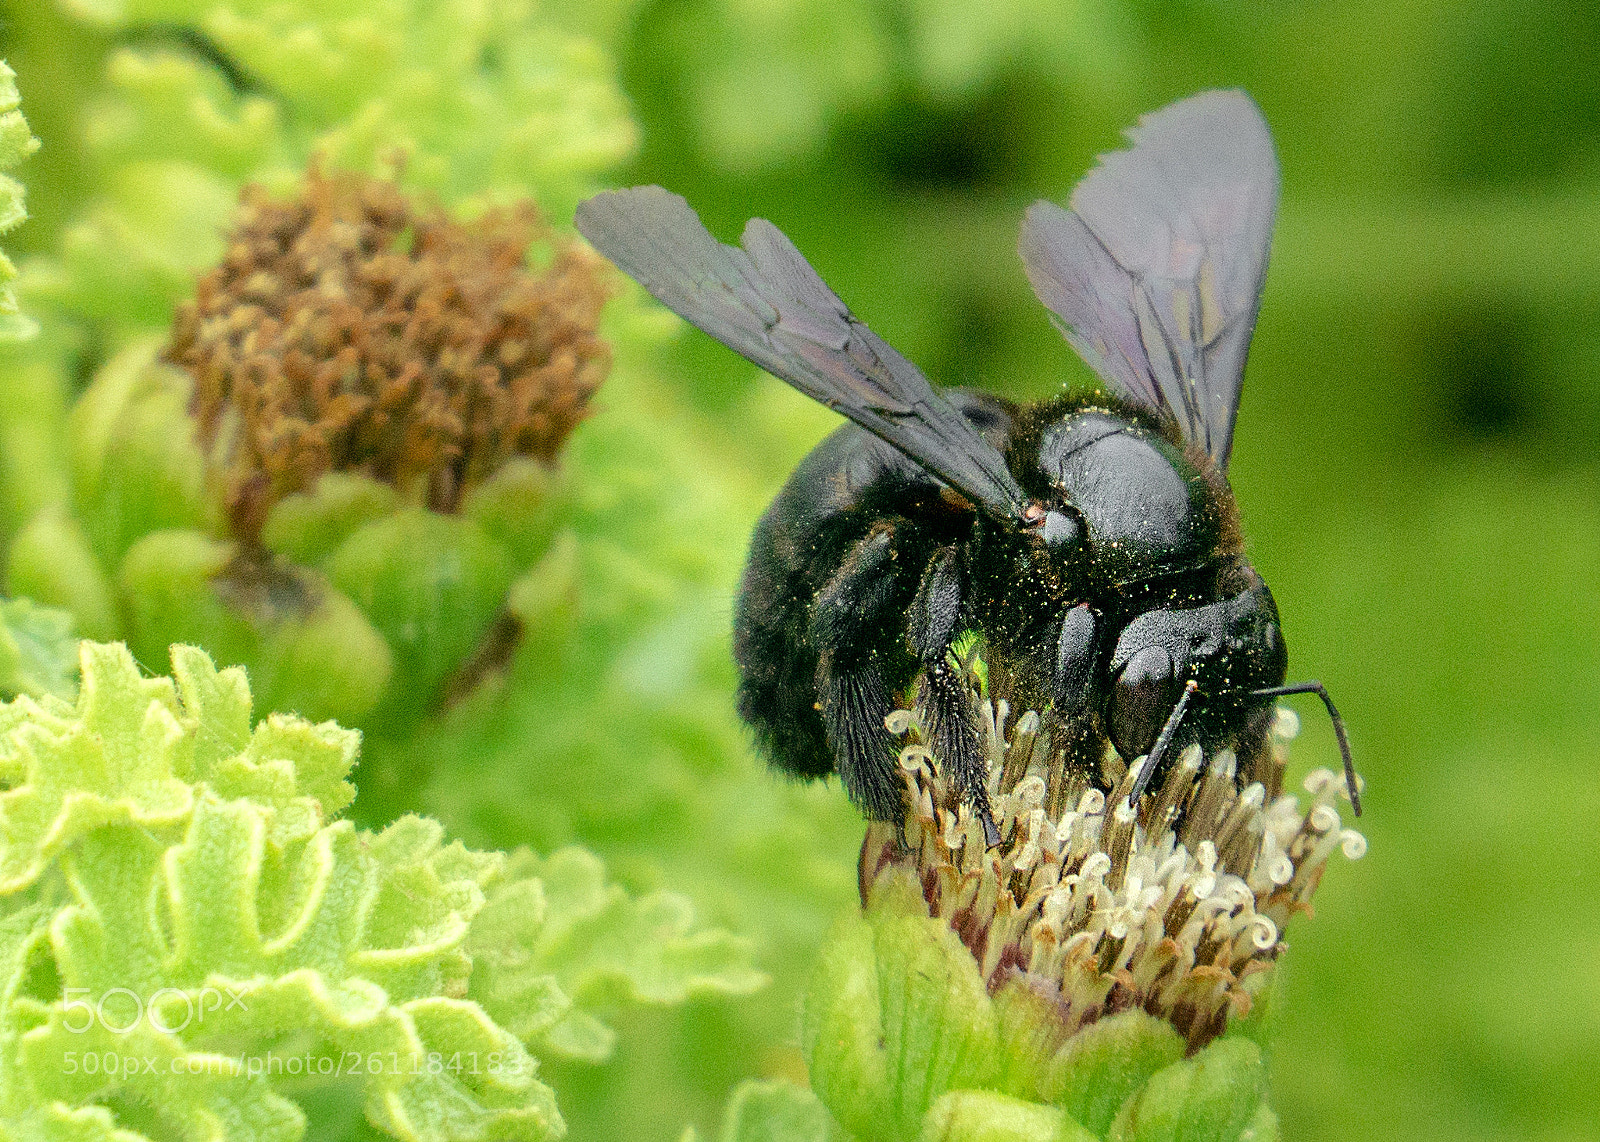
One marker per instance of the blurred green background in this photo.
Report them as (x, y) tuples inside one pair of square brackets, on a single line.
[(1415, 461)]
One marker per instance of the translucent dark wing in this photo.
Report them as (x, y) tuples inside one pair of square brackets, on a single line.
[(766, 302), (1156, 271)]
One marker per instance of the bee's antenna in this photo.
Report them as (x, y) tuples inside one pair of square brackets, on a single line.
[(1163, 740), (1338, 728)]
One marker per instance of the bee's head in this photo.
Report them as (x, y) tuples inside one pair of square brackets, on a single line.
[(1230, 648)]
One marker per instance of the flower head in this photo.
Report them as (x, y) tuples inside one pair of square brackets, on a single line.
[(1079, 978), (1177, 908), (350, 330)]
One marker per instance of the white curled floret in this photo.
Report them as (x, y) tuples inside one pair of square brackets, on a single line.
[(914, 757), (1030, 790), (1273, 867), (1205, 878), (1323, 819), (1263, 932), (1323, 784), (1236, 892), (1095, 868)]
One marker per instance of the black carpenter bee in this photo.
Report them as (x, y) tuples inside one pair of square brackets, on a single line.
[(1091, 540)]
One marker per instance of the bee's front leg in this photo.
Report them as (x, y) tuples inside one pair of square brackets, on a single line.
[(932, 625)]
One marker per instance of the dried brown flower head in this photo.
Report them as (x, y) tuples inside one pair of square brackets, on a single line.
[(1178, 909), (347, 329)]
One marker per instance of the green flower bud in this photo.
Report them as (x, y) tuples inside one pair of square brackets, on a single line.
[(349, 329), (369, 396), (1099, 956)]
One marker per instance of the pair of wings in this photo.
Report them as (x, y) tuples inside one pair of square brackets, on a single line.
[(1154, 275)]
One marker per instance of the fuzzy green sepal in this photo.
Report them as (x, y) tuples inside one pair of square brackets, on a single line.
[(136, 467), (307, 646), (984, 1116), (431, 585), (1214, 1097), (904, 1041), (895, 1015), (1100, 1067), (308, 527)]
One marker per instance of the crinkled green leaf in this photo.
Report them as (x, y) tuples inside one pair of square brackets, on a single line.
[(207, 923), (558, 942), (16, 143), (282, 760), (38, 650), (243, 953), (462, 98), (111, 762), (211, 921)]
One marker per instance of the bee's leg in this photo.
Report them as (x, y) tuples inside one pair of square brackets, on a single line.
[(1072, 686), (932, 625), (856, 622)]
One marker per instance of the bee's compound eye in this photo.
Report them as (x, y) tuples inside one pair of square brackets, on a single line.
[(1061, 529), (1144, 695)]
